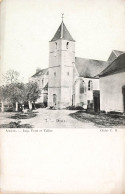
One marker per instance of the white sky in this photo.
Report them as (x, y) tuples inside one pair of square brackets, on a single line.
[(27, 26)]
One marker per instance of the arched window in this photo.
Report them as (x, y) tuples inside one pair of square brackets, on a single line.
[(67, 45), (54, 74), (90, 85), (82, 87)]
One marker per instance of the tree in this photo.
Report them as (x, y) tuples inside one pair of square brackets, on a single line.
[(16, 94), (12, 91), (32, 92), (11, 76)]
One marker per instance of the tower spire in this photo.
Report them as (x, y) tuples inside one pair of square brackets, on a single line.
[(62, 26), (62, 32)]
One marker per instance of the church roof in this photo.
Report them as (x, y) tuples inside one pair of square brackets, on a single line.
[(117, 66), (62, 33), (89, 68), (114, 54), (41, 72)]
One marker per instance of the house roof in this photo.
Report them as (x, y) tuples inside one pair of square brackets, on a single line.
[(62, 33), (114, 54), (41, 72), (117, 66), (89, 68)]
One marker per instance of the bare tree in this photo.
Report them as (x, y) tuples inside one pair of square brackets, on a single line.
[(11, 76)]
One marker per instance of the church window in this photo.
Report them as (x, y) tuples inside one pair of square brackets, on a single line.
[(67, 45), (90, 85), (68, 73), (54, 74), (82, 87)]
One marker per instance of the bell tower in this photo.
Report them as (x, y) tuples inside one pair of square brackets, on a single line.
[(61, 60)]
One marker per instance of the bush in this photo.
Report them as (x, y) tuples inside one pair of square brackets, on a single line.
[(102, 111), (23, 115), (15, 125), (75, 108), (115, 113), (70, 107), (53, 108), (39, 105), (79, 108)]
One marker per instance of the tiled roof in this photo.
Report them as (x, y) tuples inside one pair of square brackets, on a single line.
[(89, 68), (62, 33), (114, 54), (41, 72), (117, 66)]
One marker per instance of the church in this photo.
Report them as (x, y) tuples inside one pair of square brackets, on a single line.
[(70, 80)]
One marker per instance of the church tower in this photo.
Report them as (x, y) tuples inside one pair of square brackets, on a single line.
[(61, 61)]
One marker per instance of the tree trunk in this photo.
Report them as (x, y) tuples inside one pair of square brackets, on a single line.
[(2, 106), (16, 106), (23, 107), (30, 105)]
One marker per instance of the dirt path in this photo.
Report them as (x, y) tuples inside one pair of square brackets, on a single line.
[(49, 118)]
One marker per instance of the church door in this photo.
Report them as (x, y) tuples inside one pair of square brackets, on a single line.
[(123, 91), (54, 99)]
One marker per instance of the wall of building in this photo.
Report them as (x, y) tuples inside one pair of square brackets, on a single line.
[(111, 97), (42, 80)]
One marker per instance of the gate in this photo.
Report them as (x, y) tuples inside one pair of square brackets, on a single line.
[(96, 98)]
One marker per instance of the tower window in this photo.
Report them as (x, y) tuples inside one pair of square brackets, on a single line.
[(67, 45), (68, 73), (54, 74), (56, 45), (90, 86)]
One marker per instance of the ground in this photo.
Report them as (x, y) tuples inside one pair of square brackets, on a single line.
[(45, 118)]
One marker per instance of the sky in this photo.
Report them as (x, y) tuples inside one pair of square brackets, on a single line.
[(27, 26)]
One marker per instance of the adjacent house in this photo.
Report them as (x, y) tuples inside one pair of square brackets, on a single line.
[(41, 77), (112, 86)]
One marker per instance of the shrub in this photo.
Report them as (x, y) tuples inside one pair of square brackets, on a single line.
[(39, 105), (115, 112), (75, 108)]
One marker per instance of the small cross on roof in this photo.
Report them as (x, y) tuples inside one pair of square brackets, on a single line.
[(62, 16)]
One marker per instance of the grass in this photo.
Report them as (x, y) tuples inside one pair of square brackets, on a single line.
[(18, 124), (15, 125), (23, 115), (100, 120)]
